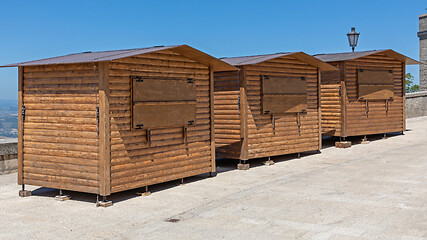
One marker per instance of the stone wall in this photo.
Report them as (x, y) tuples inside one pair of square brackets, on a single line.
[(416, 104), (422, 34), (8, 157)]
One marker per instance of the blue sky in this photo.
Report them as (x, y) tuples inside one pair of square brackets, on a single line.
[(38, 29)]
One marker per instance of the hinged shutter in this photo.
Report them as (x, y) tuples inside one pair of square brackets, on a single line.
[(163, 102), (375, 84), (283, 95)]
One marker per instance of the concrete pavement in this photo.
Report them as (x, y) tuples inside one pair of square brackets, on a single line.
[(369, 191)]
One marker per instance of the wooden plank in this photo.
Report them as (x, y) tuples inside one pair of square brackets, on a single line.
[(244, 153), (375, 92), (319, 104), (344, 100), (404, 96), (20, 126), (104, 131), (173, 114), (382, 77), (279, 104), (212, 116), (284, 85), (163, 89)]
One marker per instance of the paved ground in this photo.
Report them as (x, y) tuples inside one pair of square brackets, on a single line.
[(369, 191)]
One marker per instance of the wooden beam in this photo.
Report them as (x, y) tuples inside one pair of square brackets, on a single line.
[(319, 104), (20, 126), (343, 100), (104, 130), (404, 95), (212, 116), (243, 114)]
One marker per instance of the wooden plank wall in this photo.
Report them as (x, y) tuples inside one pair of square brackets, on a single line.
[(377, 121), (60, 127), (135, 163), (331, 102), (227, 114), (262, 141)]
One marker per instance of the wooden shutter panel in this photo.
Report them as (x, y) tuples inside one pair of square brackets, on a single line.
[(284, 95), (161, 103), (375, 84)]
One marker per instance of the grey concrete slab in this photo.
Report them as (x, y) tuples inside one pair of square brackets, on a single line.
[(369, 191)]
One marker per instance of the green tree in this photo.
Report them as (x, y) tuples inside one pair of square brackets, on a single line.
[(410, 86)]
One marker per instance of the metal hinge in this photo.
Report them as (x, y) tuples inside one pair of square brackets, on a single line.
[(97, 120), (137, 78), (339, 89), (190, 80)]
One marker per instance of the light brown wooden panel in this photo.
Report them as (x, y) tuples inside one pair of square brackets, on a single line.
[(284, 85), (173, 114), (277, 104), (381, 77), (376, 92), (145, 89), (60, 129)]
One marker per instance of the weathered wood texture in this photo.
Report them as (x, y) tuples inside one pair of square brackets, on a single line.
[(265, 138), (357, 121), (60, 141), (137, 162)]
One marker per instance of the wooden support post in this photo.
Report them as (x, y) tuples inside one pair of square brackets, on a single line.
[(343, 100), (104, 131), (243, 115), (404, 96), (319, 104), (212, 118), (20, 126)]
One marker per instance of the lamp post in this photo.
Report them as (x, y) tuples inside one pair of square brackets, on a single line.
[(353, 36)]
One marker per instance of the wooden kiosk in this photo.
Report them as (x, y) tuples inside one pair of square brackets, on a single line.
[(366, 95), (270, 107), (105, 122)]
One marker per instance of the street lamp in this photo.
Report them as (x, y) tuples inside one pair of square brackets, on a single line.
[(353, 36)]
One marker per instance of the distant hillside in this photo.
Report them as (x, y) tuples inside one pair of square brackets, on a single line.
[(8, 118)]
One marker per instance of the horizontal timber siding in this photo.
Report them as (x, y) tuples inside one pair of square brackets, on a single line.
[(60, 142), (331, 102), (377, 121), (227, 115), (133, 162), (262, 140)]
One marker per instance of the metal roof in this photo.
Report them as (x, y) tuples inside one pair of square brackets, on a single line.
[(87, 57), (248, 60), (335, 57)]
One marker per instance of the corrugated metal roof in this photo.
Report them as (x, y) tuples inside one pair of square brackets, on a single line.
[(86, 57), (248, 60), (335, 57)]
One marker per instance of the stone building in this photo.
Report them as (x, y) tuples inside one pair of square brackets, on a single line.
[(422, 34)]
